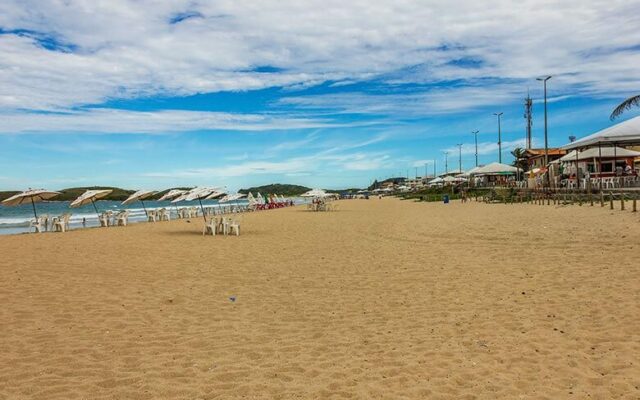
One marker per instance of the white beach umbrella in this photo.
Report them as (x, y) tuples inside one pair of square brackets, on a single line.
[(314, 193), (197, 193), (172, 194), (140, 195), (215, 194), (89, 197), (252, 200), (30, 196), (231, 197), (259, 198)]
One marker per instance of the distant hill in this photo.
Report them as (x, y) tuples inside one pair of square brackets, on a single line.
[(277, 188), (7, 194)]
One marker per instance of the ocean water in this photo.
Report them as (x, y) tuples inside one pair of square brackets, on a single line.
[(17, 219)]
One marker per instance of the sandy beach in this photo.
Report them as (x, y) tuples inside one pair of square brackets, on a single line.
[(382, 299)]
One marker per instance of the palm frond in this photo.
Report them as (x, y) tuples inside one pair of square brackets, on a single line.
[(625, 105)]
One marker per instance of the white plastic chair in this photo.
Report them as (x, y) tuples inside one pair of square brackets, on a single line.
[(151, 216), (38, 224), (61, 223), (231, 225), (210, 227), (122, 219)]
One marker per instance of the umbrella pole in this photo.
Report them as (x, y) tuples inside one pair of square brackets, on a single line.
[(202, 208), (35, 214), (95, 208), (144, 208)]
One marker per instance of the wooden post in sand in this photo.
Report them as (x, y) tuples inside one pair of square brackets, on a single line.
[(622, 201), (611, 200), (601, 199), (635, 200), (591, 198)]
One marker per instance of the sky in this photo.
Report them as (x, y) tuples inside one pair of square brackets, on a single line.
[(324, 93)]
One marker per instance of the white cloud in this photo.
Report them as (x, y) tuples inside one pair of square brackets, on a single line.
[(126, 49), (103, 120)]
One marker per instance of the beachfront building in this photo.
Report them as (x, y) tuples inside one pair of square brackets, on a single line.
[(535, 157), (607, 158), (417, 183)]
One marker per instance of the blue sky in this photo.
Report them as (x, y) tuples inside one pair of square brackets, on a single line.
[(321, 93)]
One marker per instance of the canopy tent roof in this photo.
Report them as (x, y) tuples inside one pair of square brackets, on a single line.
[(452, 173), (595, 152), (496, 169), (627, 132), (469, 172), (453, 179)]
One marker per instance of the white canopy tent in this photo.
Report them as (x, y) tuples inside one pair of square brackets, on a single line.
[(627, 132), (496, 169), (453, 172)]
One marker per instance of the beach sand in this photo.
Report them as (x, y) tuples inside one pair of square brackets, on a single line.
[(382, 299)]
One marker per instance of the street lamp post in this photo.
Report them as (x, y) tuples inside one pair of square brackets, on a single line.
[(499, 137), (459, 157), (446, 162), (475, 134), (546, 142)]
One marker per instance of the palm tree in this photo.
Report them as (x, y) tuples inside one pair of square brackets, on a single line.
[(520, 158), (633, 101)]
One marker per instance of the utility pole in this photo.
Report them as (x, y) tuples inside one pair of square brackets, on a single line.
[(528, 107), (459, 157), (446, 162), (475, 134), (416, 172), (499, 137), (426, 173), (546, 142)]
